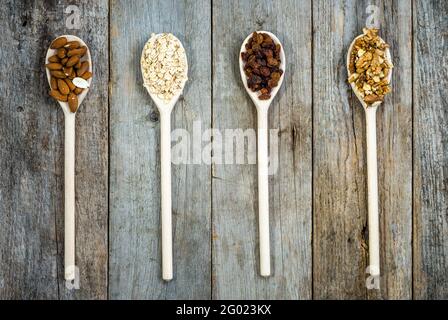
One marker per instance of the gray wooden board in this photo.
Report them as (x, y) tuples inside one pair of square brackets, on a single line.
[(317, 199), (32, 156), (340, 195), (430, 150), (134, 145), (235, 222), (394, 136)]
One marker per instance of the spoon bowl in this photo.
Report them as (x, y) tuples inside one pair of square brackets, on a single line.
[(254, 95), (87, 57), (355, 89), (162, 105)]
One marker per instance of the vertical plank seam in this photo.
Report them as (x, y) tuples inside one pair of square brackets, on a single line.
[(312, 152), (212, 165), (412, 147), (108, 151)]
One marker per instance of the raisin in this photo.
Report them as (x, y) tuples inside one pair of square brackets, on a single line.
[(256, 79), (256, 47), (277, 49), (272, 62), (268, 53), (265, 71), (261, 64), (275, 75), (272, 83)]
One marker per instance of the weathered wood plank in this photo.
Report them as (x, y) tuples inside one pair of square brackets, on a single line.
[(92, 160), (134, 162), (394, 136), (430, 150), (32, 157), (235, 221), (339, 217), (340, 203)]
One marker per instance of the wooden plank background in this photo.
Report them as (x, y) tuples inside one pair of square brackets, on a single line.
[(340, 175), (317, 197), (430, 150), (135, 170), (32, 156), (234, 192)]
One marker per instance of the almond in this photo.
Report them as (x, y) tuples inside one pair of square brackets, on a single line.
[(72, 75), (63, 87), (53, 83), (58, 43), (72, 61), (77, 52), (80, 83), (61, 53), (58, 74), (73, 102), (54, 66), (70, 84), (86, 75), (67, 70), (58, 96), (72, 45), (84, 67), (54, 58)]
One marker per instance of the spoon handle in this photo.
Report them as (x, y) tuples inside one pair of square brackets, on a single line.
[(165, 177), (372, 190), (69, 185), (263, 192)]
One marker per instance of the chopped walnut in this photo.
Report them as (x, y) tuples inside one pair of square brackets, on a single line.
[(369, 67)]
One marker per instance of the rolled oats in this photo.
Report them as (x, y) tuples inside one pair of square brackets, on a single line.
[(369, 66), (164, 66)]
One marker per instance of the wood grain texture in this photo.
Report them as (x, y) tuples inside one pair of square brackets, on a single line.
[(394, 136), (318, 200), (430, 150), (340, 196), (235, 214), (339, 217), (32, 157), (135, 170)]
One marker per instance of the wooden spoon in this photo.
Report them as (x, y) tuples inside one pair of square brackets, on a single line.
[(165, 109), (372, 171), (69, 165), (262, 154)]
